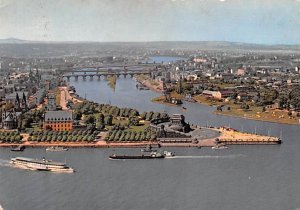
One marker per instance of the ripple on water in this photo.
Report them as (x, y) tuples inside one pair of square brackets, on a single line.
[(4, 163)]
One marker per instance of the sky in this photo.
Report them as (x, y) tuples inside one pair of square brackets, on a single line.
[(249, 21)]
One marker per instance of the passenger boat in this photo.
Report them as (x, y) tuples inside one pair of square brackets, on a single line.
[(56, 149), (40, 165), (19, 148), (219, 147), (152, 155)]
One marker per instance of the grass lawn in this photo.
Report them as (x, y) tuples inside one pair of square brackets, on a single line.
[(255, 112), (138, 128), (36, 128), (161, 98), (121, 121), (204, 100)]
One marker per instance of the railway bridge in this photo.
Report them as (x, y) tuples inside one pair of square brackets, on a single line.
[(99, 74)]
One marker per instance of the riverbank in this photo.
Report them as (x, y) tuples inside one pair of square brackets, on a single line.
[(227, 136), (66, 95), (152, 85), (253, 113), (161, 99), (256, 118)]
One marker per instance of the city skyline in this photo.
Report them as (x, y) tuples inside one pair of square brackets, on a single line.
[(261, 22)]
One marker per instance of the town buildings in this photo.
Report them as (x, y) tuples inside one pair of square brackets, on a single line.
[(9, 120), (58, 120)]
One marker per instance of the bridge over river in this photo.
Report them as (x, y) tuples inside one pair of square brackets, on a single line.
[(100, 71)]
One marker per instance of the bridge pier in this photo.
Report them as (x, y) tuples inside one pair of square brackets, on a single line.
[(99, 77), (76, 78), (91, 77), (84, 77)]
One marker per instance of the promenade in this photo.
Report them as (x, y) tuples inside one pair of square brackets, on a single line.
[(226, 136)]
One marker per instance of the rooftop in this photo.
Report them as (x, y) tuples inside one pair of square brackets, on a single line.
[(58, 116)]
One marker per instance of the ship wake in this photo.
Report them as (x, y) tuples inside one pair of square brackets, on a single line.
[(208, 157), (4, 163)]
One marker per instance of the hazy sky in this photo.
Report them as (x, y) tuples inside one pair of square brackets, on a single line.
[(252, 21)]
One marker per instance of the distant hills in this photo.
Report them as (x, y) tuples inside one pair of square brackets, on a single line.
[(13, 41), (184, 44), (25, 48)]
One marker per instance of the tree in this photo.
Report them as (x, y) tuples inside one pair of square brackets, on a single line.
[(294, 97), (108, 120), (219, 108), (90, 119), (149, 116), (245, 106), (133, 121), (143, 115), (101, 118), (77, 115), (8, 106)]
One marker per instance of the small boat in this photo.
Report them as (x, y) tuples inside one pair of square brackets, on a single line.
[(219, 147), (19, 148), (168, 154), (148, 149), (183, 107), (56, 149), (40, 165)]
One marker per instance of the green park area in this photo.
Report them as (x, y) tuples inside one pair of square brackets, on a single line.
[(248, 110)]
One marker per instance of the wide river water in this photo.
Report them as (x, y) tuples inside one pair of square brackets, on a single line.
[(242, 177)]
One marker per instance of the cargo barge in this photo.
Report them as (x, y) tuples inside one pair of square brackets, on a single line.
[(151, 155)]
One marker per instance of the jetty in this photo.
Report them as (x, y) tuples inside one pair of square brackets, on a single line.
[(230, 136)]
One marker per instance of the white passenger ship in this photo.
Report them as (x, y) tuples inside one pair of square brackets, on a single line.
[(56, 149), (40, 165)]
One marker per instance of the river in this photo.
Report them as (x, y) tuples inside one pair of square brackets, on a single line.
[(242, 177)]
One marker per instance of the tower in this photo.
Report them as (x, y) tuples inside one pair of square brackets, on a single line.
[(17, 102), (180, 86), (24, 101)]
